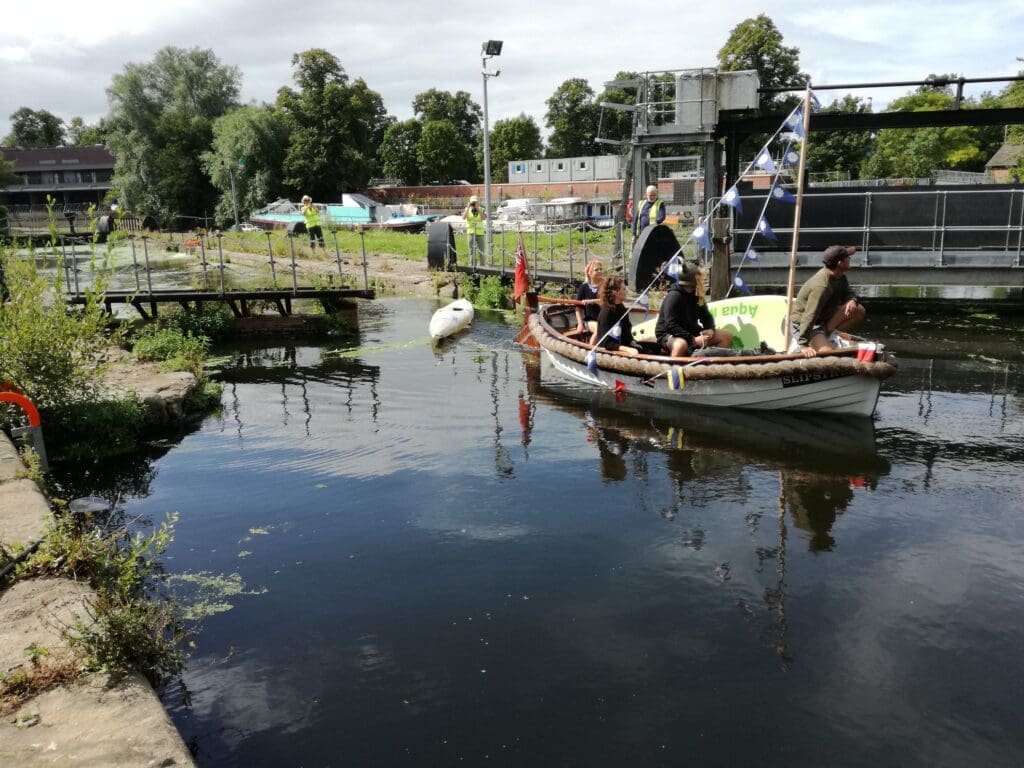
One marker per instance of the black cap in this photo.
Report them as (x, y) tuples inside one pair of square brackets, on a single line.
[(836, 253)]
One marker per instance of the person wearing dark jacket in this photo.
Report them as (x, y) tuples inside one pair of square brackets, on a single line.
[(614, 328), (684, 322)]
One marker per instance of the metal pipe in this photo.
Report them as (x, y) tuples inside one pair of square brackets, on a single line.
[(202, 256), (135, 264), (270, 250), (295, 284), (145, 255), (366, 277), (220, 258), (337, 255)]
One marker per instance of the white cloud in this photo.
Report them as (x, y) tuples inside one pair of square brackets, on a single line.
[(63, 57)]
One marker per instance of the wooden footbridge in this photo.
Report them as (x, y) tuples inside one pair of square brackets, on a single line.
[(240, 302)]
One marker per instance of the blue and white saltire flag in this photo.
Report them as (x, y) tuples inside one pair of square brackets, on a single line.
[(741, 285), (782, 195), (764, 230), (795, 123), (764, 161), (700, 234), (752, 255), (732, 199), (592, 362)]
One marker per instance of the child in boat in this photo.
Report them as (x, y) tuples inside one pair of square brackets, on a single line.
[(589, 291), (614, 329), (684, 322)]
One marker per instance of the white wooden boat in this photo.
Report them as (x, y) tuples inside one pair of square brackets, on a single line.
[(451, 319), (835, 382)]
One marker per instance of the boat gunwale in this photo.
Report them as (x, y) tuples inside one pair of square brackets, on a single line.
[(726, 367)]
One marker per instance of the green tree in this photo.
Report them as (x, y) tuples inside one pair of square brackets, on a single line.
[(572, 117), (516, 138), (915, 153), (397, 153), (336, 127), (160, 124), (33, 128), (7, 175), (81, 134), (757, 44), (442, 153), (249, 143), (843, 151), (617, 124), (457, 108)]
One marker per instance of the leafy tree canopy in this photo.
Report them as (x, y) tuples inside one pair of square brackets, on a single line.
[(572, 117), (336, 127), (457, 108), (249, 143), (757, 44), (397, 151), (161, 122), (842, 151), (80, 134), (442, 153), (35, 128), (517, 138), (915, 153), (615, 124)]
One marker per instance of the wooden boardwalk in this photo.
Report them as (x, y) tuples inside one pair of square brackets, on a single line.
[(241, 302)]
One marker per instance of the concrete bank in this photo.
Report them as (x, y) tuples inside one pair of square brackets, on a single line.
[(93, 722)]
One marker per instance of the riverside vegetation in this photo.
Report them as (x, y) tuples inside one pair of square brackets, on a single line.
[(56, 355)]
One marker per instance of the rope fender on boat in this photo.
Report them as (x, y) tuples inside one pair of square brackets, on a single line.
[(748, 370)]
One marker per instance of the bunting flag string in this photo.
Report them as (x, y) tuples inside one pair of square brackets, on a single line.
[(700, 234), (782, 195), (765, 230), (732, 199)]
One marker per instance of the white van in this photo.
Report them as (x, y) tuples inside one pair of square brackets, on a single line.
[(517, 208)]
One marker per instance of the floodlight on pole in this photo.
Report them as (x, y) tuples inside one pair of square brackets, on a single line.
[(489, 49)]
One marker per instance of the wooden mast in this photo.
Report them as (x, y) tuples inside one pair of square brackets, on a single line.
[(796, 216)]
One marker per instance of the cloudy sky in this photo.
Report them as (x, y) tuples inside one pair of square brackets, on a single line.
[(61, 55)]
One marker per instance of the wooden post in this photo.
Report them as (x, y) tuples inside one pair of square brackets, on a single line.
[(790, 286), (719, 258)]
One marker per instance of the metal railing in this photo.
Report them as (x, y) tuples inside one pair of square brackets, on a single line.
[(935, 220)]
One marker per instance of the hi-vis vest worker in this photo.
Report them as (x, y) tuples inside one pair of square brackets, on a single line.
[(310, 214), (474, 220), (650, 210)]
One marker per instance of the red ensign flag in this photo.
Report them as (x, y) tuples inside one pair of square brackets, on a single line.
[(522, 283)]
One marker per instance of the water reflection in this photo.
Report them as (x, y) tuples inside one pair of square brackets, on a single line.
[(819, 461)]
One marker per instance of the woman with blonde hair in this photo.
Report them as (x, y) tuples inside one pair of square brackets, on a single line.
[(589, 294)]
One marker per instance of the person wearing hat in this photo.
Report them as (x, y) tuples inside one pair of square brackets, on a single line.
[(313, 224), (826, 303), (684, 322), (650, 211), (475, 232)]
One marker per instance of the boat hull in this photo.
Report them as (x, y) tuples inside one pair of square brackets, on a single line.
[(836, 382), (451, 318), (823, 391)]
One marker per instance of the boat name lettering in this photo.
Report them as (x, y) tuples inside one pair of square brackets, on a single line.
[(739, 309), (799, 379)]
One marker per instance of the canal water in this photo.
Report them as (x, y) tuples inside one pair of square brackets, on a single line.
[(445, 561)]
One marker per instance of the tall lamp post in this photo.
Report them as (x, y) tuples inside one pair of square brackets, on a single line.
[(489, 49)]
